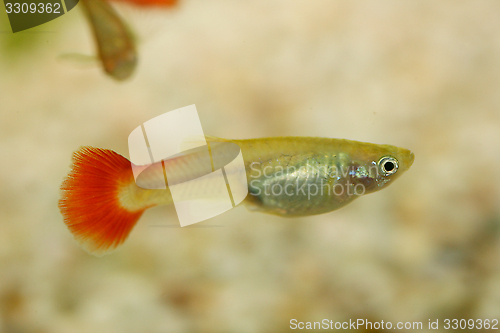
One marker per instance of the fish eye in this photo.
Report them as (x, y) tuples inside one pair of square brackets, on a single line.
[(388, 165)]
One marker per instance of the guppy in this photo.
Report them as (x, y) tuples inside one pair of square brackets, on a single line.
[(115, 42), (287, 176)]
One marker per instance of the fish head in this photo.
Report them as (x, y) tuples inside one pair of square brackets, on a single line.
[(374, 167)]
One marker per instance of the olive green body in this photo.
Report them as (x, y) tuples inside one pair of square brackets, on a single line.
[(297, 176), (286, 176)]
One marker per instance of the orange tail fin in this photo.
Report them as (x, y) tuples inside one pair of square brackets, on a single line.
[(90, 203)]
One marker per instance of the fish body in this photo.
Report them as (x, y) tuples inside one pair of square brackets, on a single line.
[(293, 176), (115, 42), (286, 176)]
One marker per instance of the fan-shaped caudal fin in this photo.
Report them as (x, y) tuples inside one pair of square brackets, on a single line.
[(90, 200)]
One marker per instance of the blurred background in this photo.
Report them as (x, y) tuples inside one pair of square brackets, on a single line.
[(421, 75)]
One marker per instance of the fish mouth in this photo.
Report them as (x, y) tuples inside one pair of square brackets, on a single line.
[(409, 158)]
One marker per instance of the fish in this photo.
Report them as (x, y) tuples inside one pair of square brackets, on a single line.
[(115, 42), (286, 176)]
